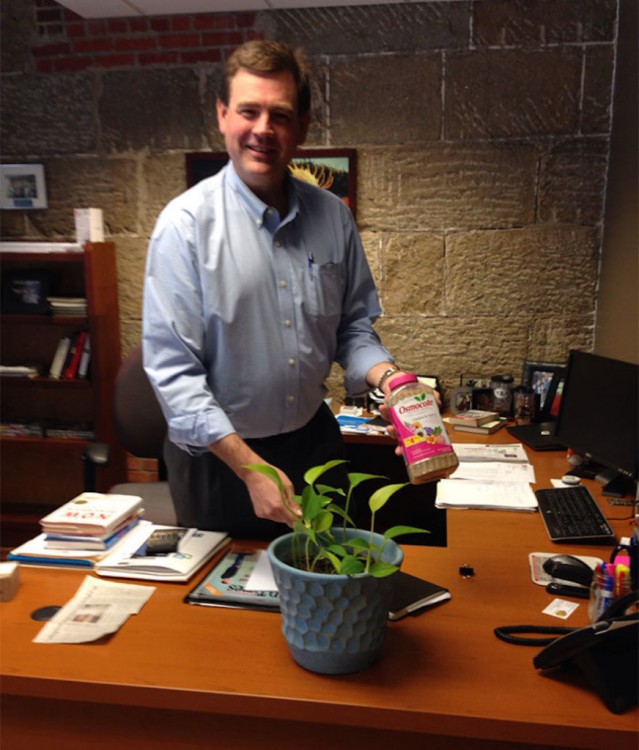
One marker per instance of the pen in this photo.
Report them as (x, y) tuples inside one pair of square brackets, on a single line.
[(311, 263)]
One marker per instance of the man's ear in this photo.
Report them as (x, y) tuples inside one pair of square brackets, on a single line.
[(222, 110)]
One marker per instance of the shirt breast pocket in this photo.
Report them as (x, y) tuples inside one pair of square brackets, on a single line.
[(323, 290)]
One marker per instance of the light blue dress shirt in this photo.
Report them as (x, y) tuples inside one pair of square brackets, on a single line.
[(244, 312)]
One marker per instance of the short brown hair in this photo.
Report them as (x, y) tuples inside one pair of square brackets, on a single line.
[(262, 56)]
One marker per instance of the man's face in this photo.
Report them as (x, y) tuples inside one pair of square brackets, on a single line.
[(262, 129)]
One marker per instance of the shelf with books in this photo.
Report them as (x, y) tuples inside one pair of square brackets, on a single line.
[(80, 282)]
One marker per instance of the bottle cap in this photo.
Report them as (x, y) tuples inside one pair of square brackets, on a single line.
[(503, 378), (407, 377)]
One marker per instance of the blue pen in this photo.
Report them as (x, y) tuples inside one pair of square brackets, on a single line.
[(608, 571)]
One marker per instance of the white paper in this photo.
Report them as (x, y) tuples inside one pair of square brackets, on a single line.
[(495, 471), (488, 452), (455, 493), (261, 578), (98, 608)]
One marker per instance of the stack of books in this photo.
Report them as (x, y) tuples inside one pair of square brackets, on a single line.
[(68, 306), (82, 531), (479, 421), (108, 534)]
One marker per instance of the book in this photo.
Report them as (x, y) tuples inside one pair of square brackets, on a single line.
[(412, 594), (35, 552), (226, 585), (161, 553), (91, 513), (483, 429), (77, 347), (102, 542), (55, 371), (85, 358), (473, 417)]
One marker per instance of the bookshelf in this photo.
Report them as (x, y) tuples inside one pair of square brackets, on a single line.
[(40, 471)]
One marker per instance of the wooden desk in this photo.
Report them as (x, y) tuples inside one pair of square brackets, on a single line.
[(185, 677)]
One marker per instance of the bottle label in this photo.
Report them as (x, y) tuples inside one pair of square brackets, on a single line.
[(419, 427)]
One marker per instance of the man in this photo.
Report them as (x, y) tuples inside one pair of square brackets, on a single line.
[(255, 284)]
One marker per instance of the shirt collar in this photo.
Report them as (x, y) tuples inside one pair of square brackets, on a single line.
[(256, 208)]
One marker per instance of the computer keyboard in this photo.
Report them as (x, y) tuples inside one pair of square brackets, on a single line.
[(571, 514)]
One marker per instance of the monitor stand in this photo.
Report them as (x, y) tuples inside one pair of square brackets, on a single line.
[(615, 485)]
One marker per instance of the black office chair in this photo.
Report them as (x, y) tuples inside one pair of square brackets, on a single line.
[(141, 429)]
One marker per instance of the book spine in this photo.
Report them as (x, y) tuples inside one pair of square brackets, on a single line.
[(77, 347), (83, 367), (59, 357)]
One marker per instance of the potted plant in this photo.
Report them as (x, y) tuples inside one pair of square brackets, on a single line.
[(335, 581)]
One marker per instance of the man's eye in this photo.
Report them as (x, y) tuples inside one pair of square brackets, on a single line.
[(282, 117)]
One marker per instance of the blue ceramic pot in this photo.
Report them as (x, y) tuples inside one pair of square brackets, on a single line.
[(333, 624)]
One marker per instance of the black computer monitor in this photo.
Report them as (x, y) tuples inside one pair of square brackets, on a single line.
[(599, 418)]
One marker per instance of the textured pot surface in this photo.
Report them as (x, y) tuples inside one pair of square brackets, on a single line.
[(333, 624)]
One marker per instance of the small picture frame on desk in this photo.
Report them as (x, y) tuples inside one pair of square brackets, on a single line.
[(545, 379), (482, 399), (25, 292), (461, 399)]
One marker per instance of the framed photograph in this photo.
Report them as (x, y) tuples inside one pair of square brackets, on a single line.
[(25, 292), (22, 186), (482, 399), (461, 399), (333, 169), (544, 378)]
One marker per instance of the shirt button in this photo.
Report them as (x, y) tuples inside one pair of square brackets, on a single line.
[(290, 399), (283, 283), (291, 362), (288, 323)]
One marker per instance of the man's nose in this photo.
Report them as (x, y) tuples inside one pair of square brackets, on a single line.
[(264, 124)]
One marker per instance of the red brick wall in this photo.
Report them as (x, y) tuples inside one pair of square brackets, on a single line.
[(141, 469), (67, 42)]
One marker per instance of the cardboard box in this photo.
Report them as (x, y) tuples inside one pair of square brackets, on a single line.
[(88, 225)]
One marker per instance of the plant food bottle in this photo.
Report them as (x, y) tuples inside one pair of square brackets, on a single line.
[(425, 444)]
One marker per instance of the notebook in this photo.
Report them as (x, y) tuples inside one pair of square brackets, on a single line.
[(538, 436)]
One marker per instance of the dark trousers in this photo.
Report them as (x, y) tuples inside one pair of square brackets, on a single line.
[(208, 495)]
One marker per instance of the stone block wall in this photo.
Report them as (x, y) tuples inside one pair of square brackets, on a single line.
[(482, 130)]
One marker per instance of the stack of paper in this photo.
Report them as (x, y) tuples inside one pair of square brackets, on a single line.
[(495, 477)]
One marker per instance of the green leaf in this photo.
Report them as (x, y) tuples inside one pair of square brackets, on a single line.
[(268, 471), (380, 569), (358, 543), (315, 472), (356, 478), (351, 566), (337, 549), (323, 521), (313, 505), (380, 497), (399, 530), (326, 489), (335, 561)]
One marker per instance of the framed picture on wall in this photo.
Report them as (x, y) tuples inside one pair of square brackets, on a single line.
[(333, 169), (22, 186)]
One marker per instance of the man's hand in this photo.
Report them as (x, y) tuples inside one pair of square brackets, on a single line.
[(266, 497), (385, 413)]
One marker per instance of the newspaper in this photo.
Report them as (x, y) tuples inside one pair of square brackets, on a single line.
[(98, 608)]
